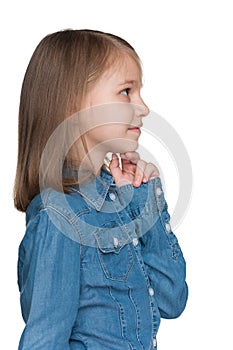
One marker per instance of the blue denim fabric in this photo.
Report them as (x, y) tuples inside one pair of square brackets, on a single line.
[(99, 267)]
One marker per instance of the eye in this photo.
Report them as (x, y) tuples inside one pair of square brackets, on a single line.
[(125, 92)]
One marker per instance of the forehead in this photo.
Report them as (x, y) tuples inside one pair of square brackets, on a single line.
[(125, 68)]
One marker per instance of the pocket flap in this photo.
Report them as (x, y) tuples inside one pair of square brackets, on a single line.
[(112, 237)]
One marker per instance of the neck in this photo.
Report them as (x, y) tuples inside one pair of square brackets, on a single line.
[(93, 161)]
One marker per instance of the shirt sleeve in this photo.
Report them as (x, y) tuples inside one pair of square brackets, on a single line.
[(49, 279), (165, 264)]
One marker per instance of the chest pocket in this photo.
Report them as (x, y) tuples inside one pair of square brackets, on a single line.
[(114, 251)]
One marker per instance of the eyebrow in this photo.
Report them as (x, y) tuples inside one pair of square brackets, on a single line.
[(133, 82)]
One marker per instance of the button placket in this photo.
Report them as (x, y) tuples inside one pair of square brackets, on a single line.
[(159, 191), (168, 227), (159, 197), (112, 196), (154, 342), (151, 291)]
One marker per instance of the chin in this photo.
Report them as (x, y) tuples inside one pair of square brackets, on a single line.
[(122, 146), (128, 148)]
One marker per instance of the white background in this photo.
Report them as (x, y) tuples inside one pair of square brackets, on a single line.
[(186, 49)]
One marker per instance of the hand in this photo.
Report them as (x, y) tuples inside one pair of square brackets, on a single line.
[(134, 170)]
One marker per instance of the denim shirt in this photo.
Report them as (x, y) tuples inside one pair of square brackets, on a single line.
[(99, 267)]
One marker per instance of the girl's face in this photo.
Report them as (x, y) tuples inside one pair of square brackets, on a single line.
[(113, 110)]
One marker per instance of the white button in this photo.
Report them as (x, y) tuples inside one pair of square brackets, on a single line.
[(112, 196), (159, 191), (154, 341), (168, 227), (151, 292), (115, 242), (135, 242)]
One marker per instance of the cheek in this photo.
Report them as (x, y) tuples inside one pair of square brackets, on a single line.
[(109, 132), (112, 138), (114, 114), (102, 117)]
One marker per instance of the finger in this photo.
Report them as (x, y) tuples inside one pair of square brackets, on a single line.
[(114, 167), (131, 156), (139, 172), (150, 172), (114, 163), (128, 167), (117, 173)]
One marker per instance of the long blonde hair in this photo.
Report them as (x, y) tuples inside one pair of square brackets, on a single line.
[(63, 67)]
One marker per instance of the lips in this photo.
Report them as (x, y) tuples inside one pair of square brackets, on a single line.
[(135, 129)]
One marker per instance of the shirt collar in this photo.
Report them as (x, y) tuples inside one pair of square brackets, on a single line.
[(96, 188)]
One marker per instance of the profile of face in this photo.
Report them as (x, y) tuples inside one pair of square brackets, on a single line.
[(113, 110)]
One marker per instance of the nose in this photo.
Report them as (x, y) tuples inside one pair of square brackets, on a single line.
[(142, 109)]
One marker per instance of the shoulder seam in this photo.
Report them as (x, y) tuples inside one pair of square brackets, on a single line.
[(75, 230)]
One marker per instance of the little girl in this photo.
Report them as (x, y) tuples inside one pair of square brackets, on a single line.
[(99, 264)]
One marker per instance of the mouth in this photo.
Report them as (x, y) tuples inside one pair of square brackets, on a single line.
[(137, 130)]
